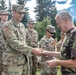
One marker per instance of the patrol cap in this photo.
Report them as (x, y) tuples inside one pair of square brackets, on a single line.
[(18, 8), (31, 21), (4, 12), (51, 29)]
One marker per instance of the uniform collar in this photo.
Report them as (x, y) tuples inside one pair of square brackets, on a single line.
[(15, 24), (69, 31)]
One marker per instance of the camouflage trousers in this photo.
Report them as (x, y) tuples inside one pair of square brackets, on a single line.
[(69, 74), (1, 68), (16, 70), (1, 65), (33, 64), (46, 70)]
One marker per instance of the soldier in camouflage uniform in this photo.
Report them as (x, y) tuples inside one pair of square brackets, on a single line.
[(68, 50), (46, 44), (31, 34), (32, 40), (15, 58), (59, 44), (4, 18)]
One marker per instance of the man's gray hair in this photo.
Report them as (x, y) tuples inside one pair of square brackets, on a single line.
[(64, 15)]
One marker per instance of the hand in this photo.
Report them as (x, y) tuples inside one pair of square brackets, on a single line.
[(37, 51), (52, 63), (54, 42)]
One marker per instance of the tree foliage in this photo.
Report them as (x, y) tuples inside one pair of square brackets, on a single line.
[(44, 9), (22, 2), (47, 9), (41, 27), (9, 10), (3, 5)]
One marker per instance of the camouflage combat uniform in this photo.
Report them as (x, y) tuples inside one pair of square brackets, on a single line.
[(45, 43), (2, 39), (2, 47), (15, 58), (32, 40), (59, 44), (68, 51)]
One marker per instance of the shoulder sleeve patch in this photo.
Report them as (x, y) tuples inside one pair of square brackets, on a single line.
[(5, 28)]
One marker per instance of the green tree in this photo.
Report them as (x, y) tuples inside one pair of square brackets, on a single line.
[(41, 27), (3, 5), (22, 2), (44, 9), (9, 10), (10, 6)]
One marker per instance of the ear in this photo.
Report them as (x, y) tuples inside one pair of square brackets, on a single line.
[(66, 21)]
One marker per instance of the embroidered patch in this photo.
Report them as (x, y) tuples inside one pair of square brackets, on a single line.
[(5, 28)]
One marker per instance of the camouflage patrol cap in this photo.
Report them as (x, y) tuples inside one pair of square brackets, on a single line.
[(18, 8), (4, 12), (51, 29), (31, 21)]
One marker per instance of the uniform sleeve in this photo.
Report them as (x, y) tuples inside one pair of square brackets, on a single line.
[(35, 39), (2, 42), (42, 44), (58, 46), (13, 42), (73, 50)]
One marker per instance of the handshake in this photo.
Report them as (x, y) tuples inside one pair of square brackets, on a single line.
[(37, 51), (40, 52)]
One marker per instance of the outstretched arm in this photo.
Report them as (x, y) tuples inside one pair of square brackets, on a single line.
[(50, 53), (71, 63)]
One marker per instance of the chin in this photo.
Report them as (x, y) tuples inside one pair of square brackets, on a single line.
[(20, 19)]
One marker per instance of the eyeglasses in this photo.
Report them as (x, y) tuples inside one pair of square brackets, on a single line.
[(50, 32)]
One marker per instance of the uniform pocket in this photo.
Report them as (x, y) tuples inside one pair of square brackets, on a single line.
[(11, 59)]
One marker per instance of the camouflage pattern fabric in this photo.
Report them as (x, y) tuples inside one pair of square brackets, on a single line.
[(59, 44), (68, 51), (16, 70), (2, 47), (17, 51), (45, 43), (32, 40)]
